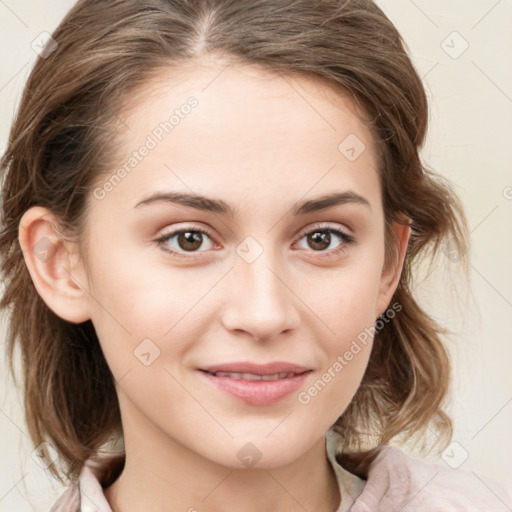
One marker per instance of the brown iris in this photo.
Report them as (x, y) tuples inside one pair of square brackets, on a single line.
[(190, 240), (319, 240)]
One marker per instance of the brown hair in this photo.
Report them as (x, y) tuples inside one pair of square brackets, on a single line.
[(57, 149)]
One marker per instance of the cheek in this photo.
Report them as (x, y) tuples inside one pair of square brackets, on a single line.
[(148, 317), (347, 297), (347, 304), (350, 315), (352, 319), (140, 293)]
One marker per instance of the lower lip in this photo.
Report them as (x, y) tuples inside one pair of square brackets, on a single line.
[(258, 392)]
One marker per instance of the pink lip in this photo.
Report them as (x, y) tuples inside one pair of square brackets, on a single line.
[(260, 392)]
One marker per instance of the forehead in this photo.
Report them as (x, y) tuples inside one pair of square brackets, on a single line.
[(211, 124)]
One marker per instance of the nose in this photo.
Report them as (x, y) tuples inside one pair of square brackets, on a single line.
[(259, 299)]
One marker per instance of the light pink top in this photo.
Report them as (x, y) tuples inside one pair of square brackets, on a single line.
[(394, 481)]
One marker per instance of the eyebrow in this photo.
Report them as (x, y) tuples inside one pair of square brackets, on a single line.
[(219, 206)]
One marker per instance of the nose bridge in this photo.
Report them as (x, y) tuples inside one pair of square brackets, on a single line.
[(259, 300)]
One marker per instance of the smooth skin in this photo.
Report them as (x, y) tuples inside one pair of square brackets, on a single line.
[(263, 143)]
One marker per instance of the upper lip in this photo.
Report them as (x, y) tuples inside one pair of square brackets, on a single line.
[(257, 369)]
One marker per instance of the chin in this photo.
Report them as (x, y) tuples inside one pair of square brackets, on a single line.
[(260, 451)]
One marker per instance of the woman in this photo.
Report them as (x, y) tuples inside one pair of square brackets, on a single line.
[(218, 206)]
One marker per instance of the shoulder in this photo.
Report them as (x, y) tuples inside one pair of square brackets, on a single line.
[(397, 481)]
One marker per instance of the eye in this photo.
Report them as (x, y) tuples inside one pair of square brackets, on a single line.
[(190, 240), (187, 240), (327, 239)]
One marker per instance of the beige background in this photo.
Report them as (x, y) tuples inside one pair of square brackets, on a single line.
[(470, 141)]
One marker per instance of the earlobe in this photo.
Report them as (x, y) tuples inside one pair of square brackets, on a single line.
[(51, 262), (392, 272)]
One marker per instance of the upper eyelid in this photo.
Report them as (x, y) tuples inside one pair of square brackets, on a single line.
[(321, 226), (316, 226), (174, 232)]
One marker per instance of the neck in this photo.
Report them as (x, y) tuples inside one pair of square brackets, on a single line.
[(161, 475)]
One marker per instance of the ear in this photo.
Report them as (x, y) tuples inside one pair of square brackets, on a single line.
[(54, 266), (392, 271)]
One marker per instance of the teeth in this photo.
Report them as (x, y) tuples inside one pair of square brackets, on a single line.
[(252, 376)]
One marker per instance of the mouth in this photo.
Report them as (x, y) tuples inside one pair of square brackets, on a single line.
[(253, 376), (257, 384)]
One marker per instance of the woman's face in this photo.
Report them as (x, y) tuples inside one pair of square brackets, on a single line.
[(242, 232)]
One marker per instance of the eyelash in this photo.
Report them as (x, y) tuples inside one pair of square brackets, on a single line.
[(344, 237)]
